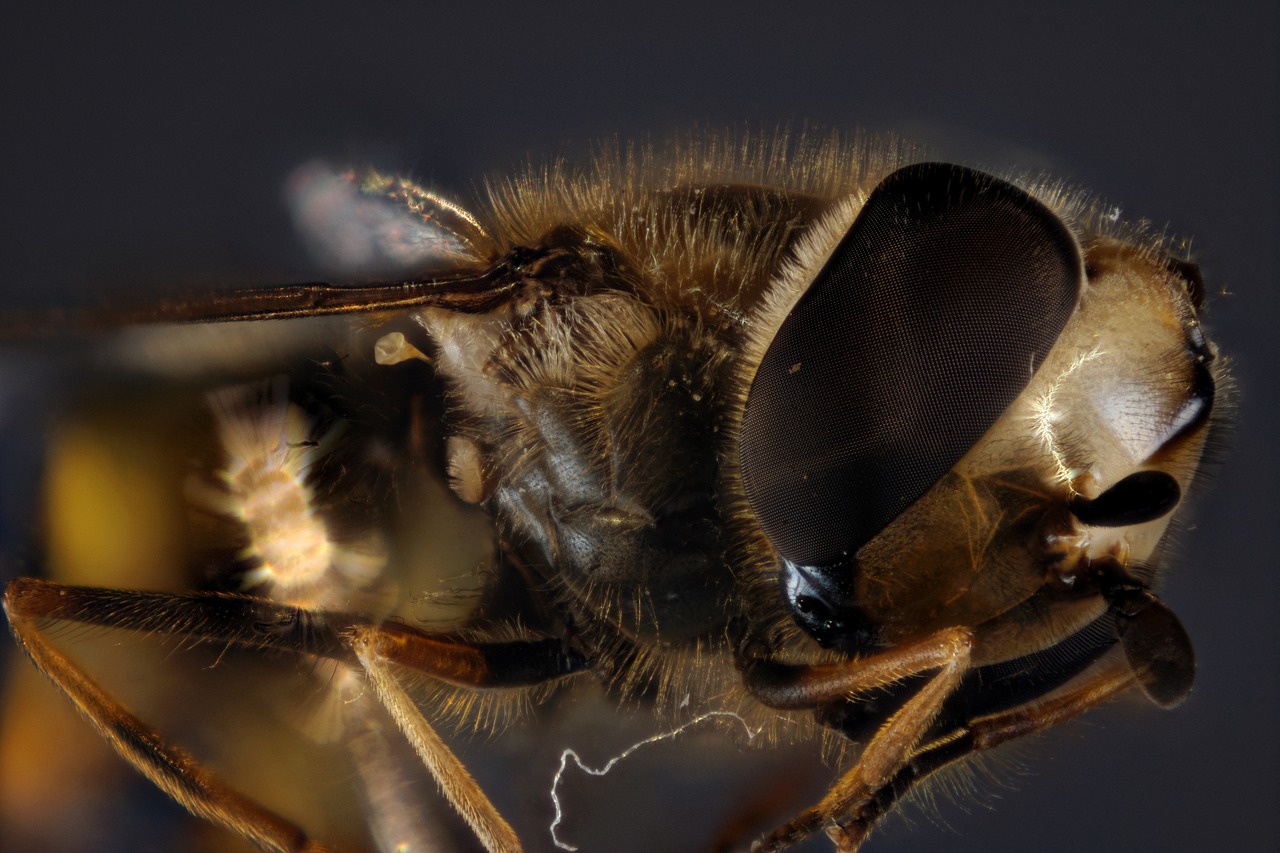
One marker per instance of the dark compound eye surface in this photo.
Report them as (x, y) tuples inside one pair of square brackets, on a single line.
[(929, 319)]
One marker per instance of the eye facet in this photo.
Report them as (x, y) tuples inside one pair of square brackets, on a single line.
[(925, 324)]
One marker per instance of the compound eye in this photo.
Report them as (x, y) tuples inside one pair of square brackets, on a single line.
[(925, 324)]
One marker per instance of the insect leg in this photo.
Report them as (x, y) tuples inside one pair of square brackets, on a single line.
[(992, 730), (882, 758), (402, 813), (457, 785), (258, 623), (245, 620), (792, 686), (173, 770), (481, 666)]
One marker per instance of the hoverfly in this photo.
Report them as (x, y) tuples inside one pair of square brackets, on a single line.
[(851, 447)]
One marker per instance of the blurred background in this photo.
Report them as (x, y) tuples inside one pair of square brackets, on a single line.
[(146, 144)]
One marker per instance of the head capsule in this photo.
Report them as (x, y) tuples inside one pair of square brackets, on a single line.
[(956, 425)]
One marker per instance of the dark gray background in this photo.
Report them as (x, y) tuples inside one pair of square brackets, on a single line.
[(149, 141)]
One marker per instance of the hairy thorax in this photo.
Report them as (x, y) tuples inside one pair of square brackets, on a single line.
[(590, 425)]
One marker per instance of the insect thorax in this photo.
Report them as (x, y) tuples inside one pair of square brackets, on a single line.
[(591, 428)]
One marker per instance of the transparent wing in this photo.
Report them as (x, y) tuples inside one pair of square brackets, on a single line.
[(410, 246), (364, 223)]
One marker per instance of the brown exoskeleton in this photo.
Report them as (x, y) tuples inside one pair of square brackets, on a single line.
[(832, 441)]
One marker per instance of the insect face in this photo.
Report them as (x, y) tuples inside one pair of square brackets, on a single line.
[(1070, 491)]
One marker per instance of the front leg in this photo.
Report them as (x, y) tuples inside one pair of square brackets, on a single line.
[(889, 750), (1093, 687)]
